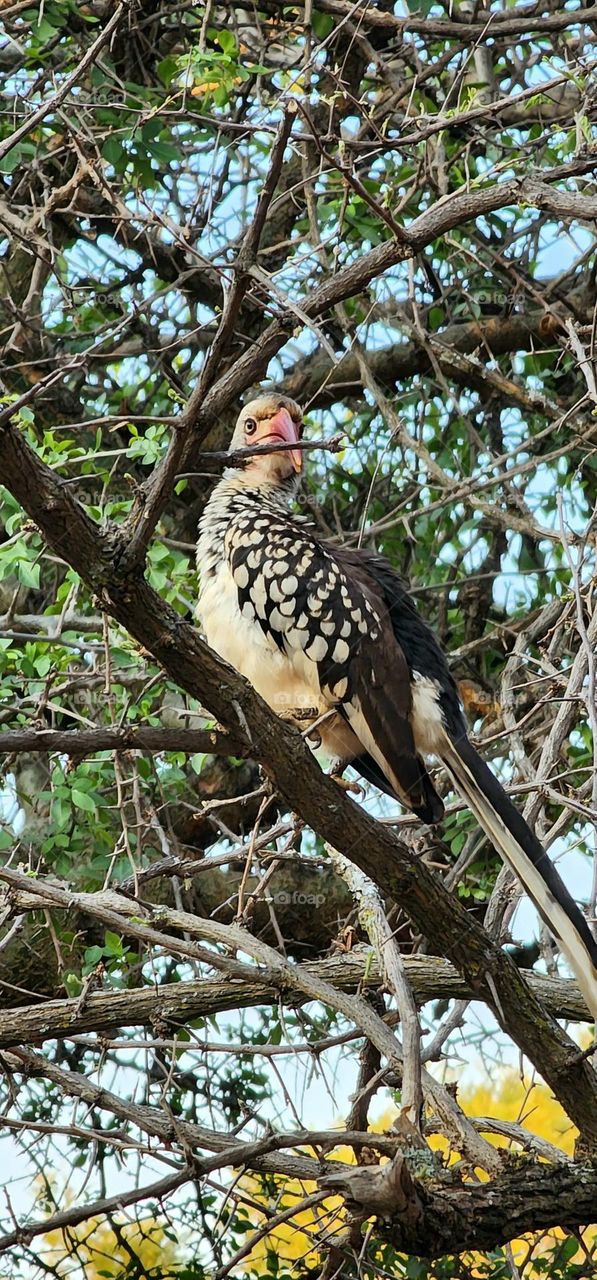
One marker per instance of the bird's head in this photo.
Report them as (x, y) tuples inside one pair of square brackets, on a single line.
[(270, 419)]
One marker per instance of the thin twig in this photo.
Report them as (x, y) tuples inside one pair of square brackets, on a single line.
[(238, 457)]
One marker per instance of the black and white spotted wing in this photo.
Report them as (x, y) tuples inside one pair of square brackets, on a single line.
[(333, 625)]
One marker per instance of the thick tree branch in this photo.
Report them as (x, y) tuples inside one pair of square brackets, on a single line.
[(498, 23), (84, 742), (476, 1216), (182, 1002)]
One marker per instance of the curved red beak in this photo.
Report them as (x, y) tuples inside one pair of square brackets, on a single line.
[(281, 427)]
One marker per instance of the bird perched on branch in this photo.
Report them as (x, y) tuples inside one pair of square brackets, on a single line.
[(332, 637)]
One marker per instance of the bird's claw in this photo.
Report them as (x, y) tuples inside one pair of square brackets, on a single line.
[(347, 785)]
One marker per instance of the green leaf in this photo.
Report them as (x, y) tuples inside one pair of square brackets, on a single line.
[(112, 944), (73, 984), (164, 151), (113, 151), (322, 23), (28, 574), (82, 800), (10, 161), (436, 317), (44, 31), (167, 70), (226, 42)]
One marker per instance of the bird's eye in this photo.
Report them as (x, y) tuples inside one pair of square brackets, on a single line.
[(250, 427)]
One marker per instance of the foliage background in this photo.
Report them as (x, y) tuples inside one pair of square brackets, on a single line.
[(453, 151)]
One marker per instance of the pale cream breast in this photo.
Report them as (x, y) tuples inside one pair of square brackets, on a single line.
[(242, 642)]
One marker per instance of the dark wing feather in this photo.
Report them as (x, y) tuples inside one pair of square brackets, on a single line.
[(382, 699), (414, 636)]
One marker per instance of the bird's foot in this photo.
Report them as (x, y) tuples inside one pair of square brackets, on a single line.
[(308, 716), (347, 785), (294, 714), (336, 772)]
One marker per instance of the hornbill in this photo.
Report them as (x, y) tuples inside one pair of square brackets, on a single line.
[(332, 634)]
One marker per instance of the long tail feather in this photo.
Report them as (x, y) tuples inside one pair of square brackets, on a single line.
[(520, 848)]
